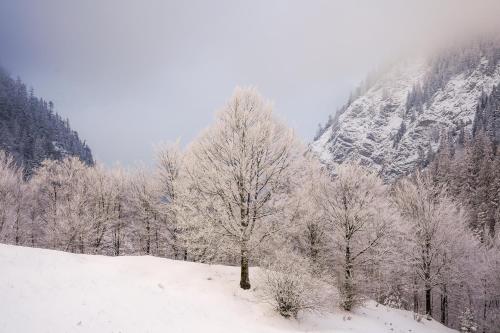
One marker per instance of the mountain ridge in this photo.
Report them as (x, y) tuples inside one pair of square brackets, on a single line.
[(396, 125), (31, 131)]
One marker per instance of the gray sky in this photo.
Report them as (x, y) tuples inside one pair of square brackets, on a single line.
[(130, 74)]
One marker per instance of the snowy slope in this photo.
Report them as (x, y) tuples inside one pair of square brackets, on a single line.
[(366, 131), (50, 291)]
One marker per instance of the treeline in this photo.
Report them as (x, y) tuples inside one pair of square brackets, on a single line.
[(31, 131), (468, 164), (246, 192)]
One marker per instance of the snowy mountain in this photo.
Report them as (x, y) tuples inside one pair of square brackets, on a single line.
[(31, 131), (397, 122), (50, 291)]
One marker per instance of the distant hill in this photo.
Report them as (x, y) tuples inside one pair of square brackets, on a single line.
[(31, 131)]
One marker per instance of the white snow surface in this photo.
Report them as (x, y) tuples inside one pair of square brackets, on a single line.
[(51, 291), (365, 131)]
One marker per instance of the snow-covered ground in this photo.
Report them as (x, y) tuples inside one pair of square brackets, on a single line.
[(50, 291)]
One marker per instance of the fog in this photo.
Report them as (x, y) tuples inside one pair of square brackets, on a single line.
[(129, 74)]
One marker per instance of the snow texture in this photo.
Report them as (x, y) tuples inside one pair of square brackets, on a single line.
[(367, 129), (50, 291)]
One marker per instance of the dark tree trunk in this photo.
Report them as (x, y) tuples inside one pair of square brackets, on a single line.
[(444, 307), (348, 283), (428, 305), (148, 238), (116, 241), (245, 278), (427, 278), (17, 229)]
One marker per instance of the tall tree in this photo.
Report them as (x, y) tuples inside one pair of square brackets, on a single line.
[(356, 208), (435, 229), (241, 168)]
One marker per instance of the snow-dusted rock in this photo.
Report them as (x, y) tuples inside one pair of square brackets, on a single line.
[(367, 129)]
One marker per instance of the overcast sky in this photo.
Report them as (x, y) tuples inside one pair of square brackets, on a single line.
[(129, 74)]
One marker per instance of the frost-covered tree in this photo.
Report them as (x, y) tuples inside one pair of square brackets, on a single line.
[(174, 200), (240, 167), (435, 231), (62, 194), (356, 209), (310, 232), (106, 213), (147, 215), (467, 323), (13, 197)]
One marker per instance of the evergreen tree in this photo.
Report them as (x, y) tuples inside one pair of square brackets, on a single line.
[(30, 130)]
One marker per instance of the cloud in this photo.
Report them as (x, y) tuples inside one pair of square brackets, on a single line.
[(131, 73)]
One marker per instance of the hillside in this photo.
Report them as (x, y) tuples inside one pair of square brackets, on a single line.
[(396, 123), (50, 291), (31, 131)]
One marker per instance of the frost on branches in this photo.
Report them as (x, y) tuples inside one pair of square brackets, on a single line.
[(356, 210), (240, 169)]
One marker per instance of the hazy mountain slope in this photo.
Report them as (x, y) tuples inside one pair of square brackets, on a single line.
[(31, 131), (50, 291), (397, 123)]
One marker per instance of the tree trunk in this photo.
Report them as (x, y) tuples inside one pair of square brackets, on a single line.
[(17, 228), (348, 291), (415, 295), (116, 240), (148, 238), (427, 278), (444, 307), (245, 279), (428, 305)]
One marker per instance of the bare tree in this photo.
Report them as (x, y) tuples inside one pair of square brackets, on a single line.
[(171, 182), (12, 200), (240, 169), (435, 232), (145, 206), (355, 206), (63, 193)]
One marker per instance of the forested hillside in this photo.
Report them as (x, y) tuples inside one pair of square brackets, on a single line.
[(394, 123), (31, 131), (468, 164)]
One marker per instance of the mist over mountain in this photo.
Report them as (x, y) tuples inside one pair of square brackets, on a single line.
[(396, 120)]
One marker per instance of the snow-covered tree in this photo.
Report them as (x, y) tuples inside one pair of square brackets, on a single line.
[(435, 231), (13, 196), (356, 209), (240, 167), (147, 215), (105, 209), (467, 323), (173, 197), (120, 226), (63, 192), (310, 233)]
